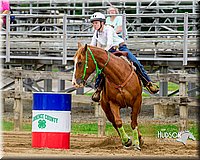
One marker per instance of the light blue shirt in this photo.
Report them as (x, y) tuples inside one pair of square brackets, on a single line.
[(116, 23), (106, 38)]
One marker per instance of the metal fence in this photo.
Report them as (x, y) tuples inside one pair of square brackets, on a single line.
[(55, 37)]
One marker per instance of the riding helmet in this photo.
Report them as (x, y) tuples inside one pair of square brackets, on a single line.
[(98, 16)]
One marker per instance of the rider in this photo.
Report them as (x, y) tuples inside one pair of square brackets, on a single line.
[(105, 37)]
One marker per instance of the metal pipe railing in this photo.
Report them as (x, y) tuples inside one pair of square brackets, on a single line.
[(185, 40), (65, 33)]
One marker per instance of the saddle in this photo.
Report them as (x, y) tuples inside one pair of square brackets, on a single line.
[(124, 55), (120, 53)]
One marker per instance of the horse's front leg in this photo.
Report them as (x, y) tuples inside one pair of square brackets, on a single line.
[(115, 109)]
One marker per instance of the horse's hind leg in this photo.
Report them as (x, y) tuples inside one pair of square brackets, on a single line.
[(136, 134), (115, 109)]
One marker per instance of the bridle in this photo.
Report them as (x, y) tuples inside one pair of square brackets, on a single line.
[(98, 70)]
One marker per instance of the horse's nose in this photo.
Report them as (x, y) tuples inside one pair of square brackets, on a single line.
[(77, 83)]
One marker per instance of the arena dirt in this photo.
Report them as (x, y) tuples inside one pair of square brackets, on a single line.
[(19, 144)]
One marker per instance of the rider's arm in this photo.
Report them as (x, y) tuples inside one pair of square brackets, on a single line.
[(109, 37)]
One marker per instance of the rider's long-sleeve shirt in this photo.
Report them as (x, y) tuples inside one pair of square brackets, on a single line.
[(106, 38)]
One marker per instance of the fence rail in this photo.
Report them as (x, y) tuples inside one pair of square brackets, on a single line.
[(18, 76)]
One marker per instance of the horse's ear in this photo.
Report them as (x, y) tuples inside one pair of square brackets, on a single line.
[(85, 48), (79, 45)]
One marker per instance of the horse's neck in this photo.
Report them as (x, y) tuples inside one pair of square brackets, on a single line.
[(116, 69)]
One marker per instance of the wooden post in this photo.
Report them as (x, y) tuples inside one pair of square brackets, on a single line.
[(190, 87), (183, 117), (101, 120), (164, 110), (61, 83), (80, 90), (163, 82), (28, 80), (48, 82), (18, 107), (2, 102), (183, 106)]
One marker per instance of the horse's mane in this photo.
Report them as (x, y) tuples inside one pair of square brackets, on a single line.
[(78, 51), (97, 49)]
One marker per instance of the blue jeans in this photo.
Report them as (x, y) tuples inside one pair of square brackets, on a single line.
[(98, 80)]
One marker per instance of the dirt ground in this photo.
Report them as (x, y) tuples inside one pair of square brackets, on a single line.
[(19, 144)]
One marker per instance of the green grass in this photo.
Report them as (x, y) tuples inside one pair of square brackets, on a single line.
[(89, 128), (172, 86), (9, 126), (89, 93), (147, 130)]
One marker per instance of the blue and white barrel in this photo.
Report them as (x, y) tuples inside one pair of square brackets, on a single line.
[(51, 120)]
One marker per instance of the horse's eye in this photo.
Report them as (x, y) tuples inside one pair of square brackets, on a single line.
[(79, 64)]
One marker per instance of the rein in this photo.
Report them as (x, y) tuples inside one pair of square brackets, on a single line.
[(98, 71)]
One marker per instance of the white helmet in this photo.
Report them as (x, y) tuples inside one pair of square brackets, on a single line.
[(97, 16)]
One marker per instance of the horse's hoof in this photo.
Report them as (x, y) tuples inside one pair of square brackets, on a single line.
[(128, 148), (128, 143), (137, 148), (141, 142), (136, 145)]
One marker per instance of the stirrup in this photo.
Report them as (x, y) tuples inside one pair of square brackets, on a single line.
[(96, 95), (152, 87)]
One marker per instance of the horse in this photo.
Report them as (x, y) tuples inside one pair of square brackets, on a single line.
[(122, 88)]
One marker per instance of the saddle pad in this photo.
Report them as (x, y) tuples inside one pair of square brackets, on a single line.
[(129, 62)]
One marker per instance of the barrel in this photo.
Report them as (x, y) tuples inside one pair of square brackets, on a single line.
[(51, 120)]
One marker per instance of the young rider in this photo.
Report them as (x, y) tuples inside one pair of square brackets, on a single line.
[(105, 37)]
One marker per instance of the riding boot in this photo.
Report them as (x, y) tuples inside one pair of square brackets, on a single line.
[(96, 95), (99, 85), (151, 87)]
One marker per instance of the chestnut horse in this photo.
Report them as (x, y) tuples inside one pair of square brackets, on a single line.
[(122, 87)]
